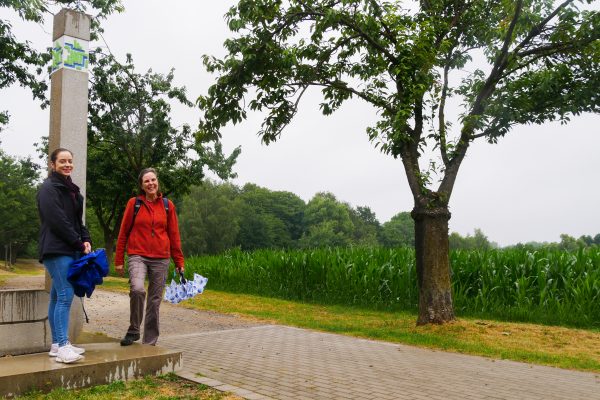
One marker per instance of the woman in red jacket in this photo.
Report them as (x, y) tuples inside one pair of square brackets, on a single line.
[(151, 238)]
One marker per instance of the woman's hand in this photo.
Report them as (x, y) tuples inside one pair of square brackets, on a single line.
[(87, 247), (119, 270), (180, 269)]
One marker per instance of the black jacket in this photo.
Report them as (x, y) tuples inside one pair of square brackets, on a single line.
[(62, 231)]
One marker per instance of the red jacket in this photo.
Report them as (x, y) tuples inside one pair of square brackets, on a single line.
[(151, 235)]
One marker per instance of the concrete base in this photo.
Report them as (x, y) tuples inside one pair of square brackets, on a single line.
[(24, 322), (103, 363), (24, 327)]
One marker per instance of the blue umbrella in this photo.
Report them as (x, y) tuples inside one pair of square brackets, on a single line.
[(185, 289), (87, 272)]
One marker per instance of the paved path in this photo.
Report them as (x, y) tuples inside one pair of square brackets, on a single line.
[(278, 362)]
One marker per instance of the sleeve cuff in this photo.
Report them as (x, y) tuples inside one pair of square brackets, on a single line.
[(79, 246)]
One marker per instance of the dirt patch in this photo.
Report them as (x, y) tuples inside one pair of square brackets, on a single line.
[(109, 314)]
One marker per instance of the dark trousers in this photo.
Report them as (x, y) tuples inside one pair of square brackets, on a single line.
[(156, 269)]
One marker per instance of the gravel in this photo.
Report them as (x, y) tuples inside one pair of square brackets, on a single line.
[(108, 312)]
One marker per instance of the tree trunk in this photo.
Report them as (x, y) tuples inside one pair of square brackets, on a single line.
[(433, 265), (14, 250), (109, 246)]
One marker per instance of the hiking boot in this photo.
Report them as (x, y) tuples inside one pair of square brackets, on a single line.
[(54, 349), (129, 339), (67, 355)]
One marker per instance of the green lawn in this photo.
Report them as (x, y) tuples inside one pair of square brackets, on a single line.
[(152, 388)]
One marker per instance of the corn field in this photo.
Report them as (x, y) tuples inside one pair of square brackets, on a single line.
[(544, 286)]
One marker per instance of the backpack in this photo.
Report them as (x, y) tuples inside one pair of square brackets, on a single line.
[(136, 210)]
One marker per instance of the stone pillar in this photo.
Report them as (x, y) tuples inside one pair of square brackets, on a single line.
[(69, 88), (69, 107)]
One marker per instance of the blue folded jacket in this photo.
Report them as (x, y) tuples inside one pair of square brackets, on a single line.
[(87, 272)]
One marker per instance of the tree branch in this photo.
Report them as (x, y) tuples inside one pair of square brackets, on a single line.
[(349, 24), (535, 31), (412, 170), (479, 106), (340, 85), (553, 48), (302, 90), (388, 32), (442, 117)]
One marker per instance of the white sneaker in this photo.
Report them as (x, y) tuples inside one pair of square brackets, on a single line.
[(65, 354), (54, 349), (78, 350)]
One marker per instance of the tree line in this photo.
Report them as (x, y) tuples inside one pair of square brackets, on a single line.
[(216, 216)]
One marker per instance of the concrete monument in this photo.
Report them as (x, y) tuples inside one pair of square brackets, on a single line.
[(24, 313), (69, 107)]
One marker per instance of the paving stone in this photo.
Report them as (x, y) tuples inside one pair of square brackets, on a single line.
[(290, 363)]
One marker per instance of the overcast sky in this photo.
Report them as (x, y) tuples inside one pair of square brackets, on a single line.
[(536, 183)]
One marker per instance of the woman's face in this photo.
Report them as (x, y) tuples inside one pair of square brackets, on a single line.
[(150, 184), (63, 164)]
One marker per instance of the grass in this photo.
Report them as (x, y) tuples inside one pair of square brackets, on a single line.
[(115, 284), (562, 347), (23, 267), (164, 387)]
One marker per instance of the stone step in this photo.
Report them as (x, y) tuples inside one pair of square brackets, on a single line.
[(103, 363)]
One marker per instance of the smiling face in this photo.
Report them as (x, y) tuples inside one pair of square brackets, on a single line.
[(63, 163), (150, 184)]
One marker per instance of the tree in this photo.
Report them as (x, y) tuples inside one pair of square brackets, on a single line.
[(366, 226), (398, 231), (269, 219), (478, 241), (259, 230), (569, 243), (327, 222), (209, 218), (289, 209), (531, 62), (587, 239), (130, 129), (18, 211), (19, 62)]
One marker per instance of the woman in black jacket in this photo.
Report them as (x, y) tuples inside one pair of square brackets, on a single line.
[(63, 237)]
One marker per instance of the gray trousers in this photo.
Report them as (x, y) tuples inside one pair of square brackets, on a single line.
[(156, 269)]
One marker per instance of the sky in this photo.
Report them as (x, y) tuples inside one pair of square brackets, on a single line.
[(536, 183)]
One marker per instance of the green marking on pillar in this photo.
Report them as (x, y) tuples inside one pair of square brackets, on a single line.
[(71, 53), (77, 56), (57, 56)]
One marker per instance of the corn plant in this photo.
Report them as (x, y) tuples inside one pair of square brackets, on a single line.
[(544, 285)]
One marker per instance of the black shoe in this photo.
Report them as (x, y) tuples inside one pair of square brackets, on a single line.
[(129, 339)]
